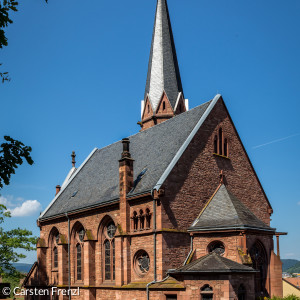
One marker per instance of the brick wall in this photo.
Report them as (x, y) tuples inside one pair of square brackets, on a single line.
[(196, 175)]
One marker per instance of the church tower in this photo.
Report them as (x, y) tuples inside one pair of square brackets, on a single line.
[(164, 96)]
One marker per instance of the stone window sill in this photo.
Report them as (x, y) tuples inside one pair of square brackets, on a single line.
[(219, 155)]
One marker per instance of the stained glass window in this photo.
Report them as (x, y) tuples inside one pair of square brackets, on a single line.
[(55, 258), (107, 260), (143, 262), (111, 230), (79, 266)]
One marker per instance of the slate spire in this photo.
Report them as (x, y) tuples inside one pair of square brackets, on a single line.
[(163, 69)]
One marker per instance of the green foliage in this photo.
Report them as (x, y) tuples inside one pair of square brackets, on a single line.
[(288, 263), (10, 241), (290, 297), (12, 154), (294, 269)]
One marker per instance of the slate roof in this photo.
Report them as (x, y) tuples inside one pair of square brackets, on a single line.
[(212, 263), (225, 211), (163, 69), (97, 181)]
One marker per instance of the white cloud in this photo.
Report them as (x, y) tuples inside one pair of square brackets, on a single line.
[(299, 203), (19, 207), (6, 201), (28, 208)]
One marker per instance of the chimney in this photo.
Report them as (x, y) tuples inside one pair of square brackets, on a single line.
[(125, 183), (58, 187), (73, 155)]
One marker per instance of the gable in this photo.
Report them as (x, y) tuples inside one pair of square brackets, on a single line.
[(195, 175)]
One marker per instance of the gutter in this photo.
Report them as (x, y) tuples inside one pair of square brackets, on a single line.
[(191, 251)]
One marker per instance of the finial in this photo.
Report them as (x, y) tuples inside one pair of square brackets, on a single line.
[(222, 177), (73, 155)]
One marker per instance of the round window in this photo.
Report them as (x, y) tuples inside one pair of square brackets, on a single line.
[(216, 247), (57, 238), (111, 230), (142, 262), (81, 234)]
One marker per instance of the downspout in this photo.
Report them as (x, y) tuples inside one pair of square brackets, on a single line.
[(69, 258)]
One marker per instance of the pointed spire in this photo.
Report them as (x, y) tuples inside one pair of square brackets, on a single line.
[(163, 70)]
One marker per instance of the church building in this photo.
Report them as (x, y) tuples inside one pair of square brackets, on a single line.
[(175, 211)]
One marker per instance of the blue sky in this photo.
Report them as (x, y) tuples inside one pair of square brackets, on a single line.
[(79, 70)]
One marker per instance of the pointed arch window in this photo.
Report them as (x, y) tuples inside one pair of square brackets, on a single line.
[(109, 252), (55, 258), (220, 143), (79, 262)]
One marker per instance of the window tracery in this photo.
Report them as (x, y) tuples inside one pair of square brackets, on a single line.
[(109, 251)]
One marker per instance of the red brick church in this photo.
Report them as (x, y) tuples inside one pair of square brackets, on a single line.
[(175, 211)]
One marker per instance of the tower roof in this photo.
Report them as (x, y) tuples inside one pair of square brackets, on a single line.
[(163, 70)]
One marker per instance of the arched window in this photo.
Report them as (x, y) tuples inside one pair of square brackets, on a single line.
[(55, 258), (164, 105), (242, 293), (148, 218), (207, 292), (220, 143), (259, 263), (216, 247), (77, 243), (109, 251), (135, 221), (225, 147), (79, 262), (216, 144), (142, 220)]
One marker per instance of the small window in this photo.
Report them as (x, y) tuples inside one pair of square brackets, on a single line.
[(220, 143), (216, 247), (171, 297), (225, 147), (207, 292), (135, 221), (148, 108), (242, 293), (148, 218), (55, 258), (216, 144), (142, 220), (164, 105), (79, 266)]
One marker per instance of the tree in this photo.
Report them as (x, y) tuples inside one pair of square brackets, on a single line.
[(10, 241), (12, 154)]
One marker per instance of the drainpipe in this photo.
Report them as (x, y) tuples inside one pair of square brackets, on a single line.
[(150, 283), (187, 258), (69, 257)]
